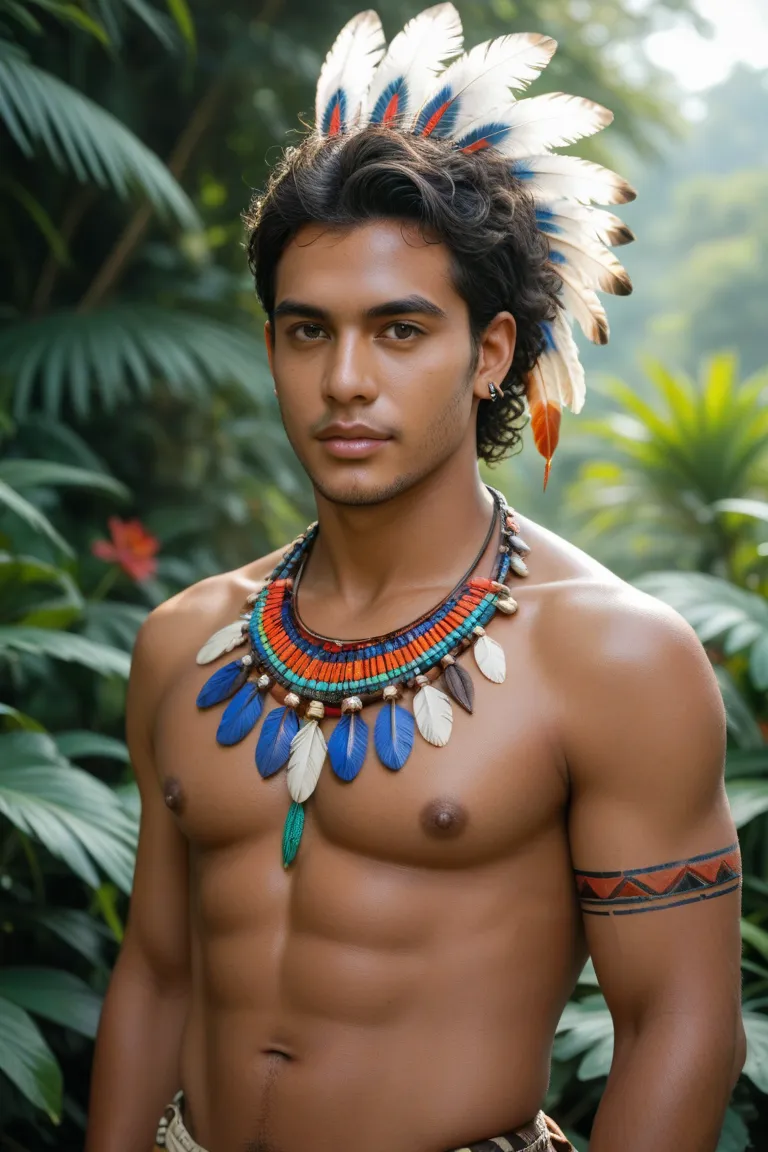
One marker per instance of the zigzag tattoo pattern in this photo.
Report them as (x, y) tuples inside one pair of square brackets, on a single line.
[(662, 886)]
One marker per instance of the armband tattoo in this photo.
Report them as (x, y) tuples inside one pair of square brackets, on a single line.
[(663, 886)]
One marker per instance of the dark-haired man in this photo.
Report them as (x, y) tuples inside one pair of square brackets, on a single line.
[(372, 948)]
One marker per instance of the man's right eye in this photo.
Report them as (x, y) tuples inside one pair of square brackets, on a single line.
[(308, 331)]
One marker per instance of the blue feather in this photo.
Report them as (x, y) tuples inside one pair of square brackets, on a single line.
[(348, 745), (397, 88), (492, 134), (274, 743), (393, 735), (446, 121), (240, 715), (339, 99), (223, 684)]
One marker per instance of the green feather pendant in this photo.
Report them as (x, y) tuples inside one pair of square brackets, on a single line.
[(292, 830)]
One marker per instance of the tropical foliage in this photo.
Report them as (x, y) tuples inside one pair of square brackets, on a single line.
[(140, 450)]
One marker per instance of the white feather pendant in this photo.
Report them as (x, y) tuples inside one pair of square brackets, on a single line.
[(567, 177), (594, 264), (225, 640), (584, 305), (347, 72), (434, 715), (490, 659), (407, 72), (305, 762), (480, 80), (550, 121), (575, 221)]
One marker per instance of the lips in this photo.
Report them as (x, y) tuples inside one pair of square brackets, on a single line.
[(352, 441)]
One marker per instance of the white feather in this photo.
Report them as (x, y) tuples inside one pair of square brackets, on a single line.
[(594, 264), (350, 65), (584, 305), (579, 220), (417, 53), (227, 638), (490, 659), (434, 715), (567, 177), (562, 367), (308, 751), (550, 121), (480, 79)]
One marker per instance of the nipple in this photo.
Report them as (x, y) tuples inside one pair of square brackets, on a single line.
[(173, 794), (444, 818)]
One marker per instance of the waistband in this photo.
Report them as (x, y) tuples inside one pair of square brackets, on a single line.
[(540, 1135)]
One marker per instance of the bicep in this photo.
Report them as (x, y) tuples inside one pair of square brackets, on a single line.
[(653, 844), (157, 933)]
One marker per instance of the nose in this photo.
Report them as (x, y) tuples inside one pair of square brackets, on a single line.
[(349, 377)]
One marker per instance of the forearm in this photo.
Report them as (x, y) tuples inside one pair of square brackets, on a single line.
[(136, 1062), (668, 1088)]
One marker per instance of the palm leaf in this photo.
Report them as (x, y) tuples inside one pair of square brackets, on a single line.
[(77, 817), (21, 718), (81, 931), (54, 995), (21, 474), (748, 799), (112, 623), (66, 646), (127, 347), (80, 745), (28, 1062), (40, 109), (10, 499)]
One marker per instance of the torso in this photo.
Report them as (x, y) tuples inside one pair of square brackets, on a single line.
[(399, 986)]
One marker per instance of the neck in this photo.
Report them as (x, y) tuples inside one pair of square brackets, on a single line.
[(423, 539)]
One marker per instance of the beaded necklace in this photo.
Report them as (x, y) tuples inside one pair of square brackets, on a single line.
[(327, 678)]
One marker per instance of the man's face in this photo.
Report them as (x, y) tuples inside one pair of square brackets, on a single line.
[(372, 359)]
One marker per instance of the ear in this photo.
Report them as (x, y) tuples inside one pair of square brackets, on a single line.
[(269, 340), (495, 353)]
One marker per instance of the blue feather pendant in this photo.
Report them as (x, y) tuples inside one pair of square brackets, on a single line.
[(348, 745), (223, 684), (393, 735), (240, 715), (292, 830), (274, 743)]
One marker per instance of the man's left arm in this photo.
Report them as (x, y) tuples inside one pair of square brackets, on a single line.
[(657, 865)]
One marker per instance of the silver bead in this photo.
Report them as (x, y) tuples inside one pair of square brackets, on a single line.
[(391, 692), (351, 704), (292, 700), (263, 683)]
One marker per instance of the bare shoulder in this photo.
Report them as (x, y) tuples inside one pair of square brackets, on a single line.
[(596, 632), (174, 631)]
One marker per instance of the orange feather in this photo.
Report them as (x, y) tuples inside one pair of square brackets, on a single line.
[(545, 419)]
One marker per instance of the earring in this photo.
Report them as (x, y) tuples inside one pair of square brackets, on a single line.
[(492, 390)]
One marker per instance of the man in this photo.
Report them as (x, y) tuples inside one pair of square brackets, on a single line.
[(315, 961)]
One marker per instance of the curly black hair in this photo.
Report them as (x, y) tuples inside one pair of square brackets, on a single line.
[(469, 201)]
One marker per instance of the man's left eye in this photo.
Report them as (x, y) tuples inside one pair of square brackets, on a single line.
[(402, 330)]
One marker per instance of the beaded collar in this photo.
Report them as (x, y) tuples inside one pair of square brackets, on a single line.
[(327, 678)]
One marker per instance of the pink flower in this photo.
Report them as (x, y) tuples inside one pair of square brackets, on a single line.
[(131, 547)]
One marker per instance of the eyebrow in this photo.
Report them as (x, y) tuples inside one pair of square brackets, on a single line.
[(408, 304)]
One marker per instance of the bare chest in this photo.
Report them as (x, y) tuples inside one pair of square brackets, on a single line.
[(495, 785)]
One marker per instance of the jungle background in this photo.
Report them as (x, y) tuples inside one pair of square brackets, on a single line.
[(141, 450)]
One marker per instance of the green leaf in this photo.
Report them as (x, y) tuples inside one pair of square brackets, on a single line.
[(28, 1062), (758, 663), (748, 799), (80, 136), (735, 1134), (22, 474), (80, 745), (181, 14), (66, 646), (758, 509), (756, 1066), (109, 351), (27, 722), (32, 516), (77, 818), (755, 937), (39, 218), (78, 929), (55, 995)]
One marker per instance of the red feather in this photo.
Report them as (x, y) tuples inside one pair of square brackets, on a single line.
[(545, 419)]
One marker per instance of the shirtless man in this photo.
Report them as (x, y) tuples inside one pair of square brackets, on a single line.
[(396, 987)]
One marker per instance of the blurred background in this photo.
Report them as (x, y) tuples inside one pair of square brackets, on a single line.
[(140, 447)]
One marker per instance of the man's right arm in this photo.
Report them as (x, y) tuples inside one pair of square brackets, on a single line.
[(136, 1064)]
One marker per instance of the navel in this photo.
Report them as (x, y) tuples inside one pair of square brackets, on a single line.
[(443, 818), (173, 794)]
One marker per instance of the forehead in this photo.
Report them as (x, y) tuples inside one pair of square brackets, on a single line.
[(365, 264)]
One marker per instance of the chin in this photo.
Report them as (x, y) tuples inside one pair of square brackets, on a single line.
[(361, 491)]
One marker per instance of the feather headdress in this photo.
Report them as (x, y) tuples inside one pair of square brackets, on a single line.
[(423, 85)]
